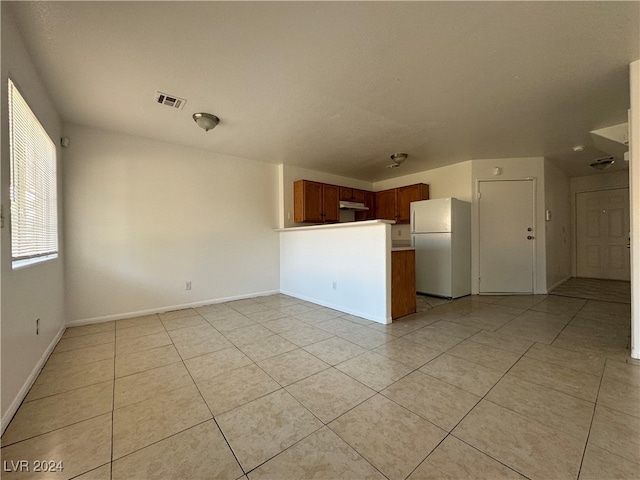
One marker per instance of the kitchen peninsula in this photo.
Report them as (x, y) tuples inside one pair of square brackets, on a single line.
[(348, 267)]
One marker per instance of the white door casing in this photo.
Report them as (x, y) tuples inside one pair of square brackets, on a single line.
[(507, 231), (602, 234)]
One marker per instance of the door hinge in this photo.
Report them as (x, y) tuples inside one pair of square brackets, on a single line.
[(479, 195), (1, 216)]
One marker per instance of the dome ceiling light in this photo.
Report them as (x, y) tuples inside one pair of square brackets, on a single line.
[(397, 158), (603, 164), (206, 121)]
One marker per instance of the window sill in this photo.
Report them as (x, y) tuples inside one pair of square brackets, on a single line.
[(18, 264)]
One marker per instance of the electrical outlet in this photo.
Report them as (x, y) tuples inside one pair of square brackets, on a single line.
[(187, 285)]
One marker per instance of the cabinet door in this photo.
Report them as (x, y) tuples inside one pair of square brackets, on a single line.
[(307, 202), (386, 204), (346, 193), (369, 200), (403, 283), (408, 194), (331, 203), (358, 195)]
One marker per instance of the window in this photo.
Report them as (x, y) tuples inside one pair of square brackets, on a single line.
[(33, 189)]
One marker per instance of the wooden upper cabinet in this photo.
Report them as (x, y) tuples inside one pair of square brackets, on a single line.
[(408, 194), (331, 203), (307, 201), (386, 204), (369, 200), (346, 194), (352, 194), (358, 195), (394, 204), (315, 202)]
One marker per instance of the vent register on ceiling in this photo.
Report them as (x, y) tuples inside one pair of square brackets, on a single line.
[(206, 121), (170, 100)]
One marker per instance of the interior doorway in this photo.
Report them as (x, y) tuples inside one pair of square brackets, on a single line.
[(602, 234), (506, 219)]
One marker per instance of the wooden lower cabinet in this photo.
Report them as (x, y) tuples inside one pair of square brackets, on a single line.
[(403, 283)]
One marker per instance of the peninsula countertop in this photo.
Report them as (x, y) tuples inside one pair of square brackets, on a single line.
[(366, 223)]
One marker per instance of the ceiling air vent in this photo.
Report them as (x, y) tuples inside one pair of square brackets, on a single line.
[(170, 100)]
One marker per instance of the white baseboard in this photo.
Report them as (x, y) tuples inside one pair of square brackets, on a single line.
[(13, 408), (339, 308), (168, 308)]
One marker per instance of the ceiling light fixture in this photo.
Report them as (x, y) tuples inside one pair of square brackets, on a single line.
[(578, 148), (397, 158), (206, 121), (603, 164)]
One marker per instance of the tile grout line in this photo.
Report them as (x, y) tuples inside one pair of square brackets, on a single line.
[(213, 417), (450, 432), (113, 405), (593, 415)]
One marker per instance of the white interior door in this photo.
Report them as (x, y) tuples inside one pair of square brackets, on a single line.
[(506, 236), (602, 234)]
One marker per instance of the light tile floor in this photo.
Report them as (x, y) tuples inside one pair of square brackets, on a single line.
[(536, 387)]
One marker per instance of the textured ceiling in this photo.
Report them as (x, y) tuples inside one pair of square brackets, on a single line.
[(340, 86)]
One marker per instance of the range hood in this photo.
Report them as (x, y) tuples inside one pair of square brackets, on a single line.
[(344, 205)]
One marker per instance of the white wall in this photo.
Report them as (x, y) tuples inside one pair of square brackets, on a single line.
[(354, 257), (36, 291), (558, 227), (511, 168), (450, 181), (634, 165), (143, 217), (600, 181), (591, 183), (289, 174)]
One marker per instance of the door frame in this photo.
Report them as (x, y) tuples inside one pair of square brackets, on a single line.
[(536, 237)]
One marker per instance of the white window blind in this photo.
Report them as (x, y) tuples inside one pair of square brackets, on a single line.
[(33, 189)]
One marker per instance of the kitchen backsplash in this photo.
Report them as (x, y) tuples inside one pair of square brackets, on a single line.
[(401, 235)]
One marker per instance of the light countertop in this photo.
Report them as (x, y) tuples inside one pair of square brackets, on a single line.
[(336, 225)]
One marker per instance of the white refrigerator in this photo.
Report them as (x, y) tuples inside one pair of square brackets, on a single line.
[(441, 235)]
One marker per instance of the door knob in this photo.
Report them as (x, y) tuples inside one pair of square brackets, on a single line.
[(529, 237)]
